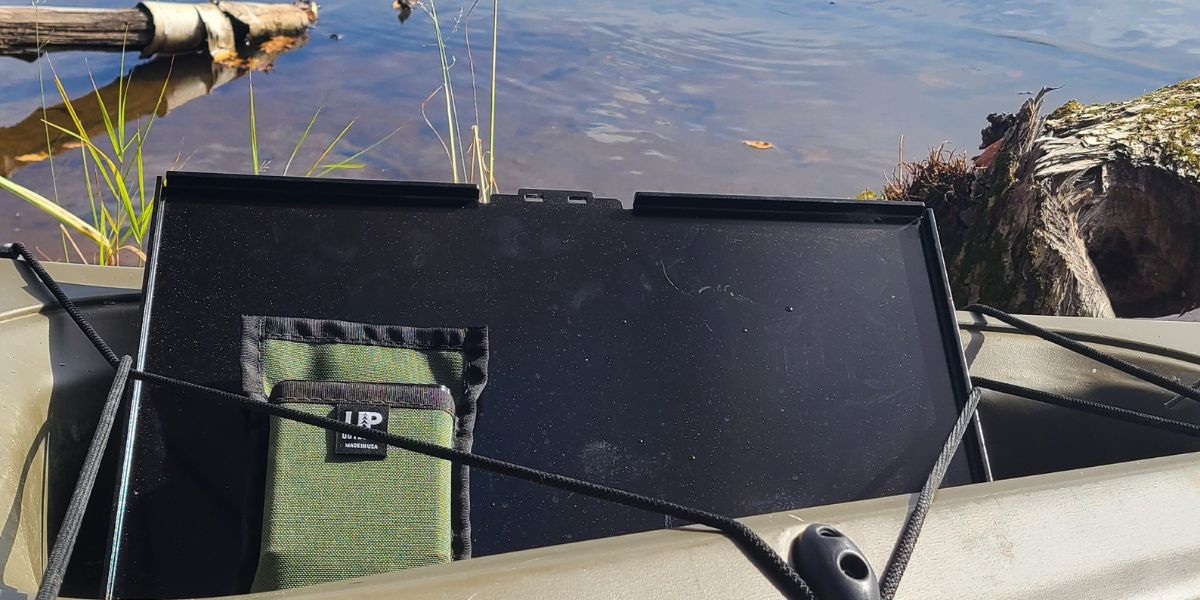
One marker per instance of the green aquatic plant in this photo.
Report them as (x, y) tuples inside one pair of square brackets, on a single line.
[(50, 207), (319, 167), (472, 160), (113, 168), (254, 164), (492, 104), (113, 173), (113, 164)]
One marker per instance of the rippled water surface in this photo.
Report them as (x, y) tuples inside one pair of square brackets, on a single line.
[(615, 97)]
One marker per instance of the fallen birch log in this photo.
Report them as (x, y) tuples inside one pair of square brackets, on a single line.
[(151, 27)]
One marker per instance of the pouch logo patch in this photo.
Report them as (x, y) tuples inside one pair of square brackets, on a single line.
[(363, 415)]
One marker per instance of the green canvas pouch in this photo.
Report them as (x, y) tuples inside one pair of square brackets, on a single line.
[(339, 506), (339, 368)]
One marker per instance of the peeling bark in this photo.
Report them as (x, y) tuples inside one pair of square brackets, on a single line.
[(1092, 211), (25, 29), (152, 27)]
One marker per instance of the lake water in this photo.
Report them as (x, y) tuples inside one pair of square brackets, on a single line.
[(615, 97)]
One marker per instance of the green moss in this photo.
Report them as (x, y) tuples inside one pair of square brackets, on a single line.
[(1066, 111), (1169, 124), (1183, 152), (1165, 124), (867, 194), (994, 288), (1003, 175), (1038, 284), (983, 273)]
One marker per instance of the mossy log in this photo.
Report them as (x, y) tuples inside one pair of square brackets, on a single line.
[(1091, 211)]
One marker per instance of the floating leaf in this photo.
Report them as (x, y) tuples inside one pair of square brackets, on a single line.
[(759, 144)]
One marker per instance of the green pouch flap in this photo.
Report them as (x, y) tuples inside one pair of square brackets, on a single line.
[(337, 506), (280, 349)]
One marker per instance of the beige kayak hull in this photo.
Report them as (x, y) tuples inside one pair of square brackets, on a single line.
[(1057, 526)]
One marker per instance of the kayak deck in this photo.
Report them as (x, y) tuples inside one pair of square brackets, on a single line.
[(1099, 532)]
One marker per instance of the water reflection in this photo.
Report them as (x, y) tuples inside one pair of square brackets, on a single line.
[(176, 79), (614, 97)]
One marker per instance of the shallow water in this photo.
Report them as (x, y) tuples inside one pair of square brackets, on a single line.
[(614, 97)]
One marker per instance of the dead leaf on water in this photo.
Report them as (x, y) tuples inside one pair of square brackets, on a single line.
[(759, 144)]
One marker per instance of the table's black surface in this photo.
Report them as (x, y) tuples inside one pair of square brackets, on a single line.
[(736, 362)]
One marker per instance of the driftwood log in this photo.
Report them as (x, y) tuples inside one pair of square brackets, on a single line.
[(221, 28), (23, 29), (1091, 211)]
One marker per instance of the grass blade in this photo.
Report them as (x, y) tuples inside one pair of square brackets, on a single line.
[(87, 180), (484, 189), (253, 127), (429, 123), (492, 107), (340, 164), (141, 176), (109, 128), (110, 172), (66, 235), (133, 250), (328, 148), (122, 92), (303, 137), (117, 187), (62, 92), (42, 96), (64, 216), (466, 23), (448, 89)]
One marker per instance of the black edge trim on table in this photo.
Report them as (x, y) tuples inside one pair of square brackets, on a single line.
[(217, 188), (125, 453), (669, 203), (948, 324), (851, 211)]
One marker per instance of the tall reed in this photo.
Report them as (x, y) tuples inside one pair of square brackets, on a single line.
[(472, 159), (113, 167), (113, 174)]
